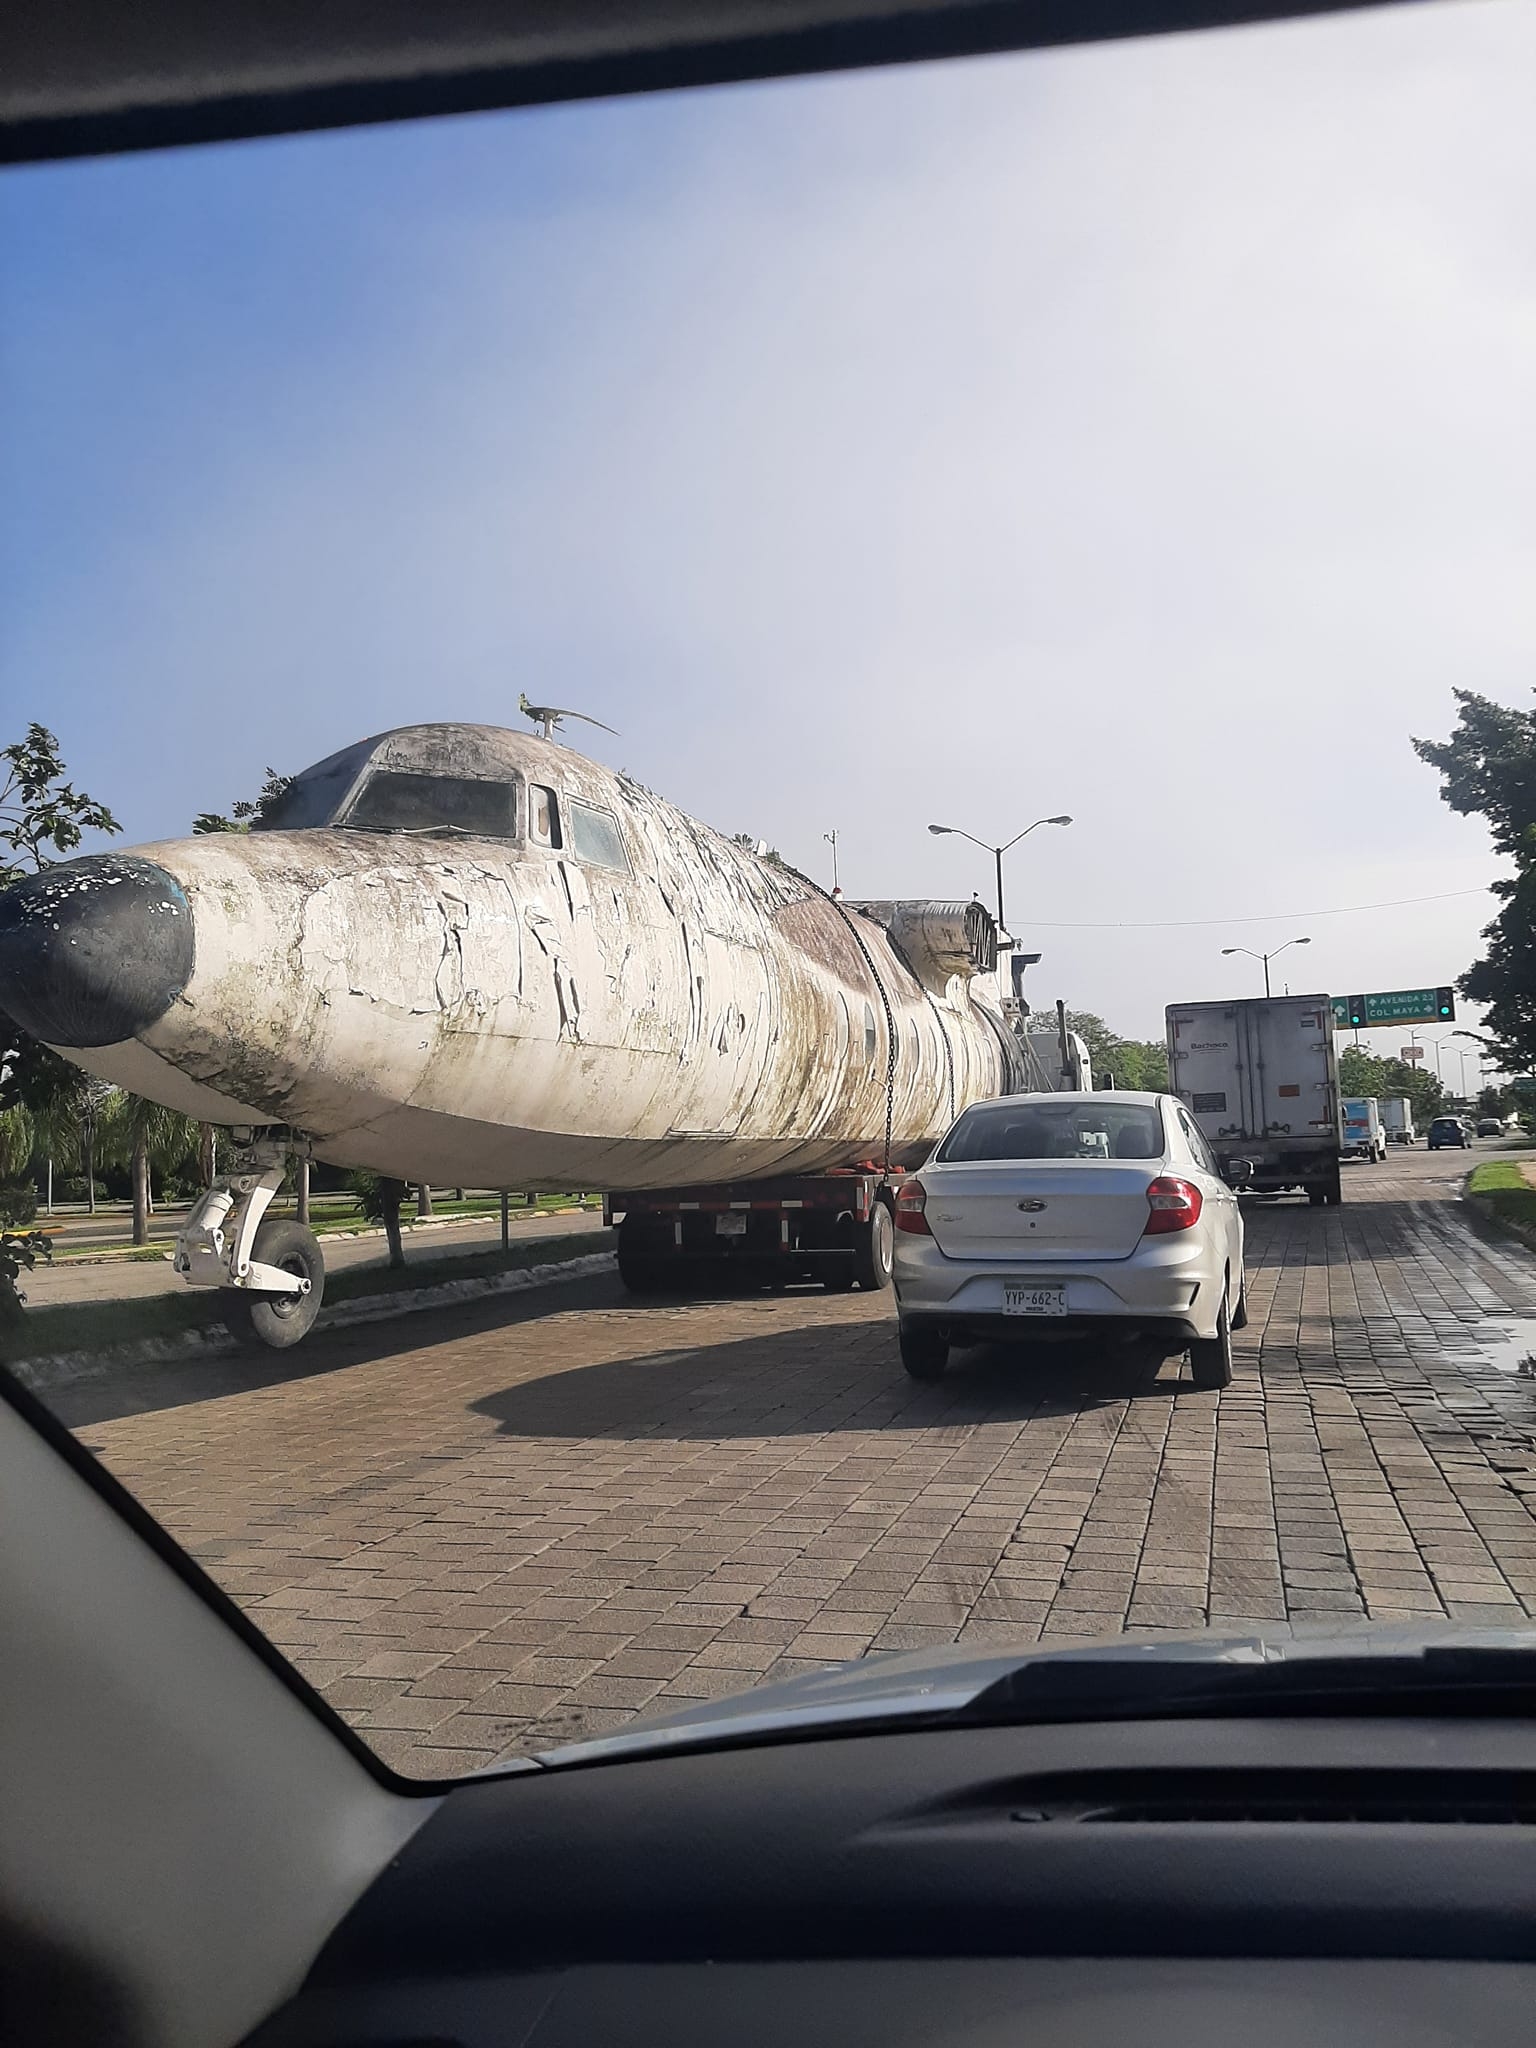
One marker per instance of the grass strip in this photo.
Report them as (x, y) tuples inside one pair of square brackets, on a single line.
[(1499, 1186), (96, 1325)]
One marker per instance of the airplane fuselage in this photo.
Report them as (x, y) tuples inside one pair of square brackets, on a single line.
[(491, 961)]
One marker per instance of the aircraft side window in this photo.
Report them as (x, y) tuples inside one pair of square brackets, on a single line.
[(543, 816), (595, 835)]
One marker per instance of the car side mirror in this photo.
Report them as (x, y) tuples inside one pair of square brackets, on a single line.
[(1238, 1169)]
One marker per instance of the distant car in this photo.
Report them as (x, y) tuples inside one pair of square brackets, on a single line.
[(1447, 1130), (1489, 1127), (1070, 1212)]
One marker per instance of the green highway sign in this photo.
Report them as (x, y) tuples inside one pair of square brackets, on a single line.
[(1396, 1006)]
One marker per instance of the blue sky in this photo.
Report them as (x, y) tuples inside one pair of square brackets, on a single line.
[(1145, 432)]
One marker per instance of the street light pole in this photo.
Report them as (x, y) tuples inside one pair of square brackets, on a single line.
[(997, 852), (1266, 957)]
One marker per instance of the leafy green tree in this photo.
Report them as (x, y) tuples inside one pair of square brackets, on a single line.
[(1488, 769), (244, 813), (1134, 1062), (1362, 1073), (43, 818)]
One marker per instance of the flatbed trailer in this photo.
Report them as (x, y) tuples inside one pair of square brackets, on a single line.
[(833, 1227)]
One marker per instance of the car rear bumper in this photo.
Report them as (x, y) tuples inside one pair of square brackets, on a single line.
[(1165, 1282)]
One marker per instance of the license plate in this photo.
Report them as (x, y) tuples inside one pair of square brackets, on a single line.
[(1034, 1301), (731, 1224)]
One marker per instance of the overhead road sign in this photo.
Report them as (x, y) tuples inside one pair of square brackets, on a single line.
[(1396, 1006)]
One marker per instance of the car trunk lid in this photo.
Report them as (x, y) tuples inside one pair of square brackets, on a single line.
[(1067, 1209)]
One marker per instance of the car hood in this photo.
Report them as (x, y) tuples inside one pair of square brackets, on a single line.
[(930, 1684)]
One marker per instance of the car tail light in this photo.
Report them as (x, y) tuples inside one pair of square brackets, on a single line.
[(911, 1200), (1174, 1204)]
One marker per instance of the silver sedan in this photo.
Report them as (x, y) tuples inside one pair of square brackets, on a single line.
[(1046, 1213)]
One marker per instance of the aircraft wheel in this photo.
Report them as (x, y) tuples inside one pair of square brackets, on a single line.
[(279, 1320)]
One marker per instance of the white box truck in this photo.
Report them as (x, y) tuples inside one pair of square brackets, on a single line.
[(1261, 1078), (1397, 1119), (1363, 1132)]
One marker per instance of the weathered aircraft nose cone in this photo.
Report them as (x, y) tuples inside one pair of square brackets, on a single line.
[(92, 951)]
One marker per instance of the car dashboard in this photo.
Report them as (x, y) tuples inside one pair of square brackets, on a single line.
[(1279, 1880)]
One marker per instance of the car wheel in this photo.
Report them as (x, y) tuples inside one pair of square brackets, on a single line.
[(279, 1320), (1210, 1358), (924, 1352)]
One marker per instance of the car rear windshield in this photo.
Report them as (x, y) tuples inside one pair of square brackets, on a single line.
[(1070, 1129)]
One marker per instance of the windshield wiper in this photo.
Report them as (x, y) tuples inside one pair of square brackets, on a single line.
[(413, 831)]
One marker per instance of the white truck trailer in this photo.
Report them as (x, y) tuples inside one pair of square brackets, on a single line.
[(1261, 1078), (1397, 1119)]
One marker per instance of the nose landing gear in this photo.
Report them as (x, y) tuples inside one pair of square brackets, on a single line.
[(271, 1271)]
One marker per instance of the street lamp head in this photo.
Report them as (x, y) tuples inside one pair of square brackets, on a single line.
[(1301, 942), (1058, 821), (941, 828), (1231, 949)]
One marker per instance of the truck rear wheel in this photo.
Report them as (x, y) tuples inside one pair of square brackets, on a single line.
[(874, 1244), (639, 1268)]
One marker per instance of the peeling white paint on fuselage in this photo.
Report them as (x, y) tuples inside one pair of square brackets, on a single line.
[(498, 1012)]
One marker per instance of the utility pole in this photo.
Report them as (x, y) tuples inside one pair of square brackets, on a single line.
[(831, 839)]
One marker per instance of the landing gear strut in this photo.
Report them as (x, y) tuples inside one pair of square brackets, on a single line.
[(271, 1271)]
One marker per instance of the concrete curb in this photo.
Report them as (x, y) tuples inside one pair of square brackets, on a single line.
[(212, 1340)]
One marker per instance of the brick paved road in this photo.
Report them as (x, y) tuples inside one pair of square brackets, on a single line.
[(530, 1521)]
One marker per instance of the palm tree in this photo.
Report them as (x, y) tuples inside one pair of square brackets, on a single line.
[(59, 1120), (142, 1135), (18, 1142)]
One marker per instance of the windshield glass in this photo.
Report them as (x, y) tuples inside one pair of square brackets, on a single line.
[(919, 693), (309, 800), (1066, 1130), (392, 800)]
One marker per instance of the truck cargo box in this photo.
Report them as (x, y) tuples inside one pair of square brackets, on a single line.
[(1260, 1077)]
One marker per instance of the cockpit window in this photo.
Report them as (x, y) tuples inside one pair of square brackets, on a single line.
[(394, 800), (595, 834), (313, 798)]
